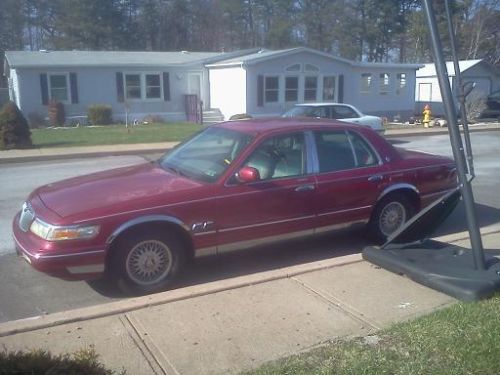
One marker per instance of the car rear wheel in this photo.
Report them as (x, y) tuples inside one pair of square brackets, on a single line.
[(147, 262), (390, 214)]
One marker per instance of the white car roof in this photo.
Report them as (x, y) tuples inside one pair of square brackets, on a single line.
[(320, 104)]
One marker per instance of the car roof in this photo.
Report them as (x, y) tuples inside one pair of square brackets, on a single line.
[(320, 104), (263, 125)]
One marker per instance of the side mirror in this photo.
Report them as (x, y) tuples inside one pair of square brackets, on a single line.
[(247, 174)]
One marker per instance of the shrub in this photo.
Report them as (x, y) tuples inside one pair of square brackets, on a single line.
[(42, 362), (14, 129), (240, 116), (57, 115), (99, 114)]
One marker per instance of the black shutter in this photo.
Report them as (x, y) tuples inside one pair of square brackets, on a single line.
[(260, 91), (341, 89), (166, 86), (73, 84), (44, 88), (119, 87)]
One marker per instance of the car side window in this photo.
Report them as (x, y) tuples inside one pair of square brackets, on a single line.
[(342, 111), (334, 151), (364, 154), (279, 156)]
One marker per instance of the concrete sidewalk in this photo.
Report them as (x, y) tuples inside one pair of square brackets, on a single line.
[(237, 324), (55, 153)]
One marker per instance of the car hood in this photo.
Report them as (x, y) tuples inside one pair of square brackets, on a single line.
[(115, 191)]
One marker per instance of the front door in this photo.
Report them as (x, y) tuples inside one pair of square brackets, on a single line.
[(277, 206), (194, 84)]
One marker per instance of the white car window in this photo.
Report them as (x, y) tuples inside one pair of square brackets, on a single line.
[(342, 111)]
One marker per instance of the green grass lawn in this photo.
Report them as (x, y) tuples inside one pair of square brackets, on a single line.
[(461, 339), (112, 134)]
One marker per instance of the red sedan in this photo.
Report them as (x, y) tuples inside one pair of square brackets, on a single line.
[(232, 186)]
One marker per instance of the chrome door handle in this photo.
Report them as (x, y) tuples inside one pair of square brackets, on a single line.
[(376, 178), (307, 187)]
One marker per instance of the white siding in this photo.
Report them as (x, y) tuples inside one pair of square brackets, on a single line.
[(228, 90)]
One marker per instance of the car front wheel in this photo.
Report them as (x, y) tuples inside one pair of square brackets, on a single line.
[(147, 262)]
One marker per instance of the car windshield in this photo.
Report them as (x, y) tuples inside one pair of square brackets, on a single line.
[(305, 111), (207, 155)]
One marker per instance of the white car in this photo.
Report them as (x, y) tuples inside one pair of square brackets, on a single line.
[(338, 111)]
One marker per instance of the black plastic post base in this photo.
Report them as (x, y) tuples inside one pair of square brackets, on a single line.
[(440, 266)]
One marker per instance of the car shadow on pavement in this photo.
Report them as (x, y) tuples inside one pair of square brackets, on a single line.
[(266, 258)]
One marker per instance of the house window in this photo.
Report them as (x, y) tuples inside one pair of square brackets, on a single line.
[(366, 83), (133, 86), (143, 86), (271, 89), (329, 88), (291, 89), (310, 88), (401, 79), (384, 83), (294, 68), (311, 68), (153, 86), (59, 87)]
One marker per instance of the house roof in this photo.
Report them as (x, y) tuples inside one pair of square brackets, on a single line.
[(429, 70), (264, 55), (32, 59)]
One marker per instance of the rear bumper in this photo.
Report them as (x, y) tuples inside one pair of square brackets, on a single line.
[(83, 264)]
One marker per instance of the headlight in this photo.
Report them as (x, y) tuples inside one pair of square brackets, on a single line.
[(59, 233)]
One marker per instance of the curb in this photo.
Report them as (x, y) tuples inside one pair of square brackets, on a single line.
[(77, 155), (414, 132)]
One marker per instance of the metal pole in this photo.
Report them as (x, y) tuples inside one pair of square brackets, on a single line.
[(455, 138), (460, 89)]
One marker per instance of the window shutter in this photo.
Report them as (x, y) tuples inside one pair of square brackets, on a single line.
[(73, 84), (341, 89), (119, 87), (260, 91), (166, 86), (44, 88)]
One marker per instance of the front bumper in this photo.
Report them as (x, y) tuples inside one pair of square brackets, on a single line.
[(68, 262)]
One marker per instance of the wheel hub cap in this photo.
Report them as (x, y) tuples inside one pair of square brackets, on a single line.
[(149, 262), (392, 218)]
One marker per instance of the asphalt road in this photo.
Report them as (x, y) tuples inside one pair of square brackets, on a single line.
[(25, 292)]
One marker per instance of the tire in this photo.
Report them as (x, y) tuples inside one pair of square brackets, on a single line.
[(389, 215), (148, 262)]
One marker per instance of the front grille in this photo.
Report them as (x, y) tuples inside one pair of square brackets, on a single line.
[(27, 217)]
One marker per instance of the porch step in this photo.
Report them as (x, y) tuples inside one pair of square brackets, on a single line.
[(212, 116)]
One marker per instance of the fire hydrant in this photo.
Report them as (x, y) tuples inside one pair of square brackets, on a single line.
[(427, 115)]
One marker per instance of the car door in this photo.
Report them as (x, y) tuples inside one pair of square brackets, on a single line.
[(350, 178), (275, 207)]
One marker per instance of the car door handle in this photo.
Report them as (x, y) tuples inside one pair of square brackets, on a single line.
[(307, 187), (376, 178)]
